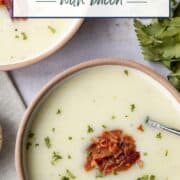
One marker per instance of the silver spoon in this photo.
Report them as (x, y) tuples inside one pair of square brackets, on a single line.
[(158, 125)]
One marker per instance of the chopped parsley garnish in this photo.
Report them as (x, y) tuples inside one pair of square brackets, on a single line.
[(52, 29), (133, 107), (31, 135), (99, 175), (152, 177), (24, 35), (69, 156), (147, 119), (166, 153), (53, 129), (104, 126), (55, 157), (90, 129), (145, 153), (113, 117), (147, 177), (47, 142), (59, 111), (65, 178), (159, 135), (36, 145), (17, 36), (126, 72), (70, 138), (28, 145), (70, 174)]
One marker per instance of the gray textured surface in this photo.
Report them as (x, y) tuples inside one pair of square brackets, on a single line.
[(11, 110), (96, 38)]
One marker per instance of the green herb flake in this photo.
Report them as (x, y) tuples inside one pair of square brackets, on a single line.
[(159, 135), (90, 129), (70, 138), (99, 175), (126, 72), (147, 119), (17, 36), (166, 153), (36, 145), (55, 157), (52, 29), (59, 111), (104, 126), (70, 174), (147, 177), (69, 156), (65, 178), (31, 135), (133, 107), (24, 36), (47, 142), (28, 145), (152, 177), (144, 177), (53, 129), (113, 117), (145, 153)]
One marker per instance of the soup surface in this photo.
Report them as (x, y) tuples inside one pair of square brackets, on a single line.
[(28, 38), (102, 99)]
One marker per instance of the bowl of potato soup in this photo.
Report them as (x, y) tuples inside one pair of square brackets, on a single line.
[(89, 123), (27, 41)]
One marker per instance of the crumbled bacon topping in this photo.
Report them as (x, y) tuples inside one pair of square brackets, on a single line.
[(111, 152), (140, 128), (140, 163), (1, 2)]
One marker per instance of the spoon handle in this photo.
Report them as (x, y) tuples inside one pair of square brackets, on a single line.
[(158, 125), (171, 130)]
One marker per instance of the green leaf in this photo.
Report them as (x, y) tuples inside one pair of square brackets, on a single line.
[(160, 42)]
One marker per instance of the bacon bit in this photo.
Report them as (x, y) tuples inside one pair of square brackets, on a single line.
[(140, 163), (1, 2), (140, 128), (111, 152)]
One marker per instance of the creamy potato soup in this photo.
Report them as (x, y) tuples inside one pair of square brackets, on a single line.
[(95, 100), (28, 38)]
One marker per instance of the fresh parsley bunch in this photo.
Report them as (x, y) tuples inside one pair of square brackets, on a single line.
[(160, 42)]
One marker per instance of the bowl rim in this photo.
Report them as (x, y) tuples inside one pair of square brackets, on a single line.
[(62, 42), (67, 73)]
